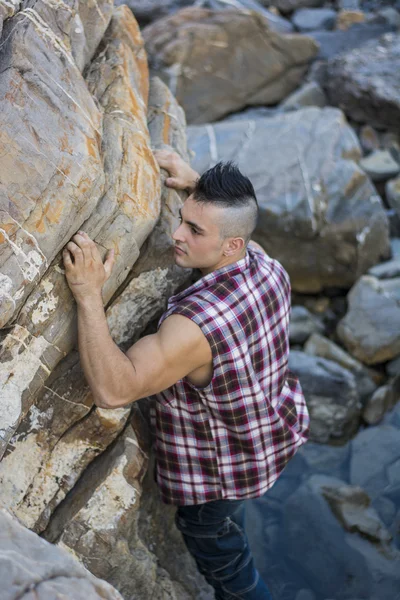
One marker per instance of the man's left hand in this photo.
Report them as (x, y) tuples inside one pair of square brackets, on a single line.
[(86, 274)]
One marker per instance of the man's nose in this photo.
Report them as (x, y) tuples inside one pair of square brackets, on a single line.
[(178, 234)]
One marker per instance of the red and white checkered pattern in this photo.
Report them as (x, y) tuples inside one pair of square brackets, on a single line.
[(232, 438)]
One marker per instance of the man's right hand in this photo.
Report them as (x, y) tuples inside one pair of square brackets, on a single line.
[(182, 176)]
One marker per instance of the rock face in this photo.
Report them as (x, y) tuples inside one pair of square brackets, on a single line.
[(205, 55), (33, 568), (80, 150), (365, 83), (320, 214)]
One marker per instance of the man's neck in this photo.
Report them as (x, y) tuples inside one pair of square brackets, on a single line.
[(224, 262)]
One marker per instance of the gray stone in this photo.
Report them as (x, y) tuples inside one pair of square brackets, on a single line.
[(310, 19), (318, 345), (351, 506), (333, 43), (146, 11), (365, 82), (393, 367), (32, 568), (303, 324), (370, 329), (348, 4), (319, 213), (378, 404), (371, 449), (309, 94), (275, 21), (331, 395), (380, 165), (192, 52), (310, 528), (286, 6), (386, 270), (389, 15), (369, 138), (392, 190)]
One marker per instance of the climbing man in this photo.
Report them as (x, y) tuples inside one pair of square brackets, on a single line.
[(228, 414)]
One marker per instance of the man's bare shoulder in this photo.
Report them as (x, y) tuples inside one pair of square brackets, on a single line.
[(184, 329)]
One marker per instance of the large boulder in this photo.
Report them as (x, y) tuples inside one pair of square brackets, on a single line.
[(107, 184), (62, 433), (331, 395), (205, 56), (370, 328), (365, 82), (59, 448), (31, 568), (101, 523), (319, 213)]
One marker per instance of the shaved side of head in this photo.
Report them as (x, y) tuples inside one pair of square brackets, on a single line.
[(227, 188)]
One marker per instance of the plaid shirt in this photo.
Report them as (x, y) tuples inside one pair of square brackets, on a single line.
[(232, 438)]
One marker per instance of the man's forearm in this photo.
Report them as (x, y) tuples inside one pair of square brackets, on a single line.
[(108, 370)]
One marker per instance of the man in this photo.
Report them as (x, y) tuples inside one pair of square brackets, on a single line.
[(228, 413)]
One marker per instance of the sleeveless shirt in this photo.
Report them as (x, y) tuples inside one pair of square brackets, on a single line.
[(232, 438)]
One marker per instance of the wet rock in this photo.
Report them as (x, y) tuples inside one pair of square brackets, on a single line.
[(310, 19), (309, 94), (370, 329), (317, 345), (331, 395), (380, 165), (320, 215), (303, 324), (364, 82), (192, 52), (33, 568)]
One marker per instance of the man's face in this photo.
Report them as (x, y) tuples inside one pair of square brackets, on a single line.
[(198, 243)]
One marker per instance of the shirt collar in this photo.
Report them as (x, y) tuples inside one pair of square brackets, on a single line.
[(213, 277)]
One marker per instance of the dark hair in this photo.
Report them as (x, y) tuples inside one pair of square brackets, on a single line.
[(224, 185)]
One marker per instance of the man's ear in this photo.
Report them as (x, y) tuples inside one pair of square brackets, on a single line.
[(233, 246)]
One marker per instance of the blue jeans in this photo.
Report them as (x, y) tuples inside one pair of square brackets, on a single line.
[(214, 535)]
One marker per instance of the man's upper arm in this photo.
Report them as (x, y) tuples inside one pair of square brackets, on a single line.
[(160, 360)]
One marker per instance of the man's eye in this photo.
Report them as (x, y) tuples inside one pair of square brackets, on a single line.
[(194, 231)]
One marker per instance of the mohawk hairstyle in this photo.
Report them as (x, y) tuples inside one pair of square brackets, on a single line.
[(226, 187)]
